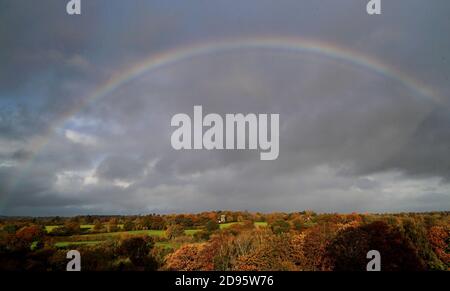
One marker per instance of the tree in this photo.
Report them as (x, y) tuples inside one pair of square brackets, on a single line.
[(234, 245), (72, 227), (347, 252), (98, 226), (202, 235), (297, 224), (184, 220), (272, 253), (175, 230), (153, 222), (10, 228), (194, 257), (28, 235), (315, 242), (185, 258), (128, 225), (137, 249), (212, 225), (297, 255), (413, 228), (280, 226), (112, 225), (439, 239)]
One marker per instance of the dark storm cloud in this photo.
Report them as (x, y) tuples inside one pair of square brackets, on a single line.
[(120, 167), (427, 152), (350, 138)]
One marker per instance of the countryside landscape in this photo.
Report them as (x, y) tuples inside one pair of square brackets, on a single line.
[(257, 135), (228, 241)]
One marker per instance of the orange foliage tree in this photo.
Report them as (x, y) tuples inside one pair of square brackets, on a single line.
[(439, 238)]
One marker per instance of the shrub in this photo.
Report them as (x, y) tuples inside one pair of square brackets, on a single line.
[(212, 225), (137, 249), (280, 226), (175, 230)]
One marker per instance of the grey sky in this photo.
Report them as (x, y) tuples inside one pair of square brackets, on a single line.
[(351, 139)]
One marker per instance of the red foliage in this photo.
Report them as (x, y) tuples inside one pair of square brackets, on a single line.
[(439, 239)]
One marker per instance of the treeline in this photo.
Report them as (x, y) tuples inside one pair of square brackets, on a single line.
[(414, 242), (300, 241), (134, 222)]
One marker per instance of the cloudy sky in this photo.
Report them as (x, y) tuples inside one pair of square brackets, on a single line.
[(353, 137)]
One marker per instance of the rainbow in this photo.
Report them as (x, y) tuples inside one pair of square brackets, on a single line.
[(289, 44)]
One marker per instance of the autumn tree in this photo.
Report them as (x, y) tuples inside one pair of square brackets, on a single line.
[(347, 252), (98, 226), (10, 228), (272, 253), (137, 249), (297, 224), (280, 226), (174, 230), (413, 228), (113, 225), (72, 227), (186, 258), (28, 235), (297, 255), (315, 243), (202, 235), (128, 225), (212, 225), (184, 220), (439, 238), (235, 245), (154, 222)]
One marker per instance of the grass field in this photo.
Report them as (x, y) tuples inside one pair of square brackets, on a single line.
[(228, 224), (65, 244), (103, 236), (49, 228), (168, 245), (96, 238), (151, 232)]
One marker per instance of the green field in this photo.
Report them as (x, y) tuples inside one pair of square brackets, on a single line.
[(50, 228), (65, 244), (167, 245), (106, 235), (228, 224), (151, 232), (96, 238), (191, 231)]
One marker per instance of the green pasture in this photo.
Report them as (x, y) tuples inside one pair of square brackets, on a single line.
[(96, 238), (66, 244), (50, 228), (228, 224)]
